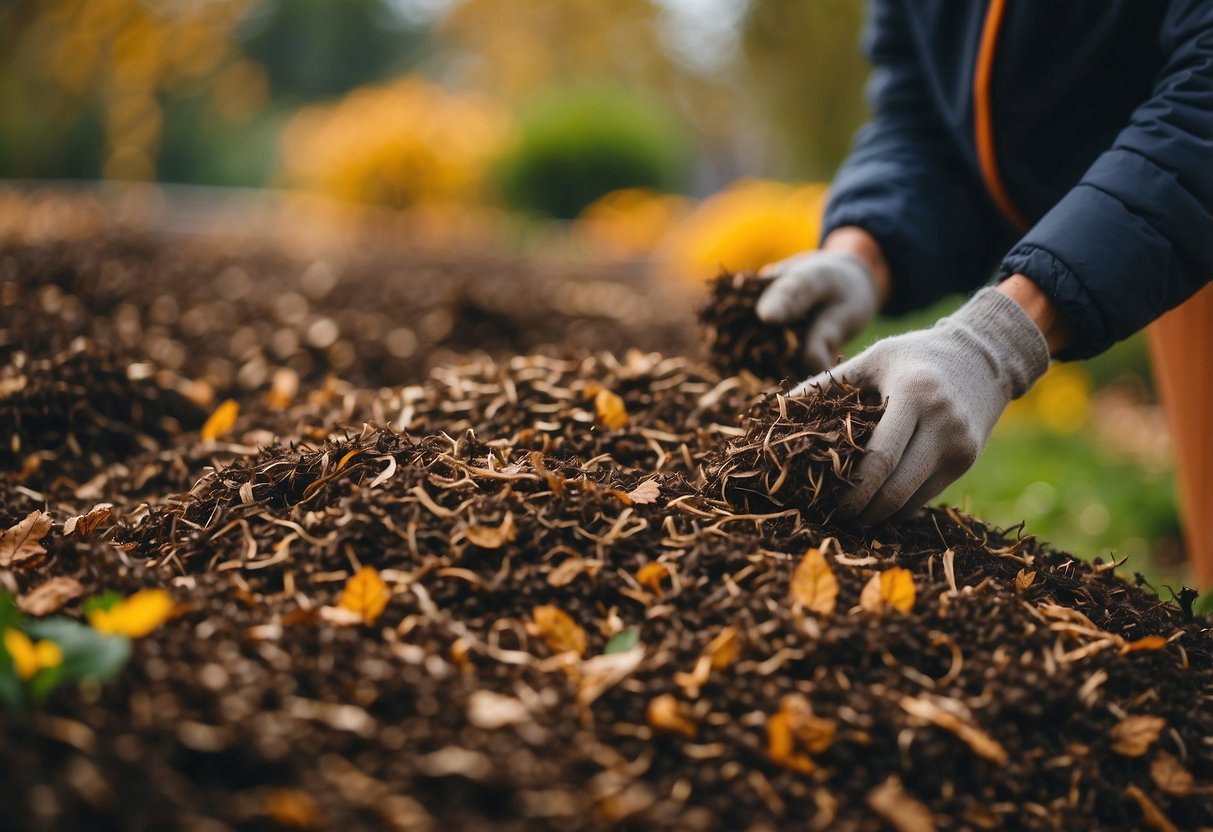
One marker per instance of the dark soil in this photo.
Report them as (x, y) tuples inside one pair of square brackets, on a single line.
[(487, 489)]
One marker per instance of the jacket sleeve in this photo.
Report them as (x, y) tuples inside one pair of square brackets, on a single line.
[(905, 182), (1134, 238)]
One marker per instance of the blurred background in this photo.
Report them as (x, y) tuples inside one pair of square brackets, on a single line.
[(682, 134)]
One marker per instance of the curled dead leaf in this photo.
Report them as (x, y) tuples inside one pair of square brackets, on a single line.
[(1133, 735), (492, 537), (221, 421), (668, 715), (612, 412), (571, 568), (651, 575), (781, 745), (86, 524), (50, 596), (719, 653), (814, 585), (933, 710), (1024, 579), (20, 545), (892, 589), (1144, 643), (558, 629), (365, 594), (815, 733)]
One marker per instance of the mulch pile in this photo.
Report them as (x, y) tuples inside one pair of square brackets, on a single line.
[(618, 595)]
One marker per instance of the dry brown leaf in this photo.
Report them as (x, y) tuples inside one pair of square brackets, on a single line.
[(929, 710), (815, 733), (890, 589), (492, 537), (1150, 813), (1170, 775), (558, 629), (900, 810), (723, 649), (601, 673), (1023, 580), (612, 412), (1133, 735), (651, 575), (50, 596), (19, 545), (647, 492), (87, 523), (572, 567), (1144, 643), (813, 583), (366, 594), (669, 715), (221, 422)]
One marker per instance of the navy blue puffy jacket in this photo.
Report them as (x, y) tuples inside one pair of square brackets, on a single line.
[(1096, 176)]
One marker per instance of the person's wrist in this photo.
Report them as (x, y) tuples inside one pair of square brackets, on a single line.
[(1040, 308), (860, 244)]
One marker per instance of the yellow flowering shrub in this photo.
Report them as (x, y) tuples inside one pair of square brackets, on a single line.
[(750, 223), (401, 144), (1060, 401), (631, 221)]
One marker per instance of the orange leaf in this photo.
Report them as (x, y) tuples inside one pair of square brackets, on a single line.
[(492, 537), (1145, 643), (220, 423), (671, 716), (781, 745), (366, 594), (651, 575), (86, 524), (813, 583), (21, 542), (292, 808), (557, 628), (136, 616), (890, 589), (723, 649), (612, 413), (1024, 579)]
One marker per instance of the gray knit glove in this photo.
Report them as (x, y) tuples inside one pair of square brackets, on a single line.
[(833, 293), (945, 387)]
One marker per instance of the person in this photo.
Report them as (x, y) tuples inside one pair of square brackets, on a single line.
[(1064, 149)]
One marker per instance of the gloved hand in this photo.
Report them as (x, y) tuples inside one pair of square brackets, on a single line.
[(945, 387), (835, 293)]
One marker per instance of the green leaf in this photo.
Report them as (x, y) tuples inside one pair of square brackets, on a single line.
[(12, 694), (87, 654), (623, 642), (105, 601), (10, 616)]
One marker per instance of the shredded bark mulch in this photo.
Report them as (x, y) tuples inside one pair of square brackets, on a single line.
[(618, 594)]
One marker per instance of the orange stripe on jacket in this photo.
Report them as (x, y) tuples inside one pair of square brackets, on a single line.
[(983, 124)]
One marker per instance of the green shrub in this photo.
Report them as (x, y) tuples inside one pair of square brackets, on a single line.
[(577, 145)]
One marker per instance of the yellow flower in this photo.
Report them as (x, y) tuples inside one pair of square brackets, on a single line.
[(28, 657), (135, 617)]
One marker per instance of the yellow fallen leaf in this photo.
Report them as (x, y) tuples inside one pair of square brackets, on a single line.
[(813, 583), (29, 657), (49, 596), (720, 652), (1133, 735), (366, 594), (612, 413), (651, 575), (890, 589), (220, 423), (781, 745), (670, 716), (558, 629), (134, 617), (20, 544), (492, 537), (1144, 643)]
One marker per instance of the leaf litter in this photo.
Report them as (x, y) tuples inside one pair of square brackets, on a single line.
[(589, 611)]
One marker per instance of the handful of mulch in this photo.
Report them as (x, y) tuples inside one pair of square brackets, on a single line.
[(797, 452), (738, 340)]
